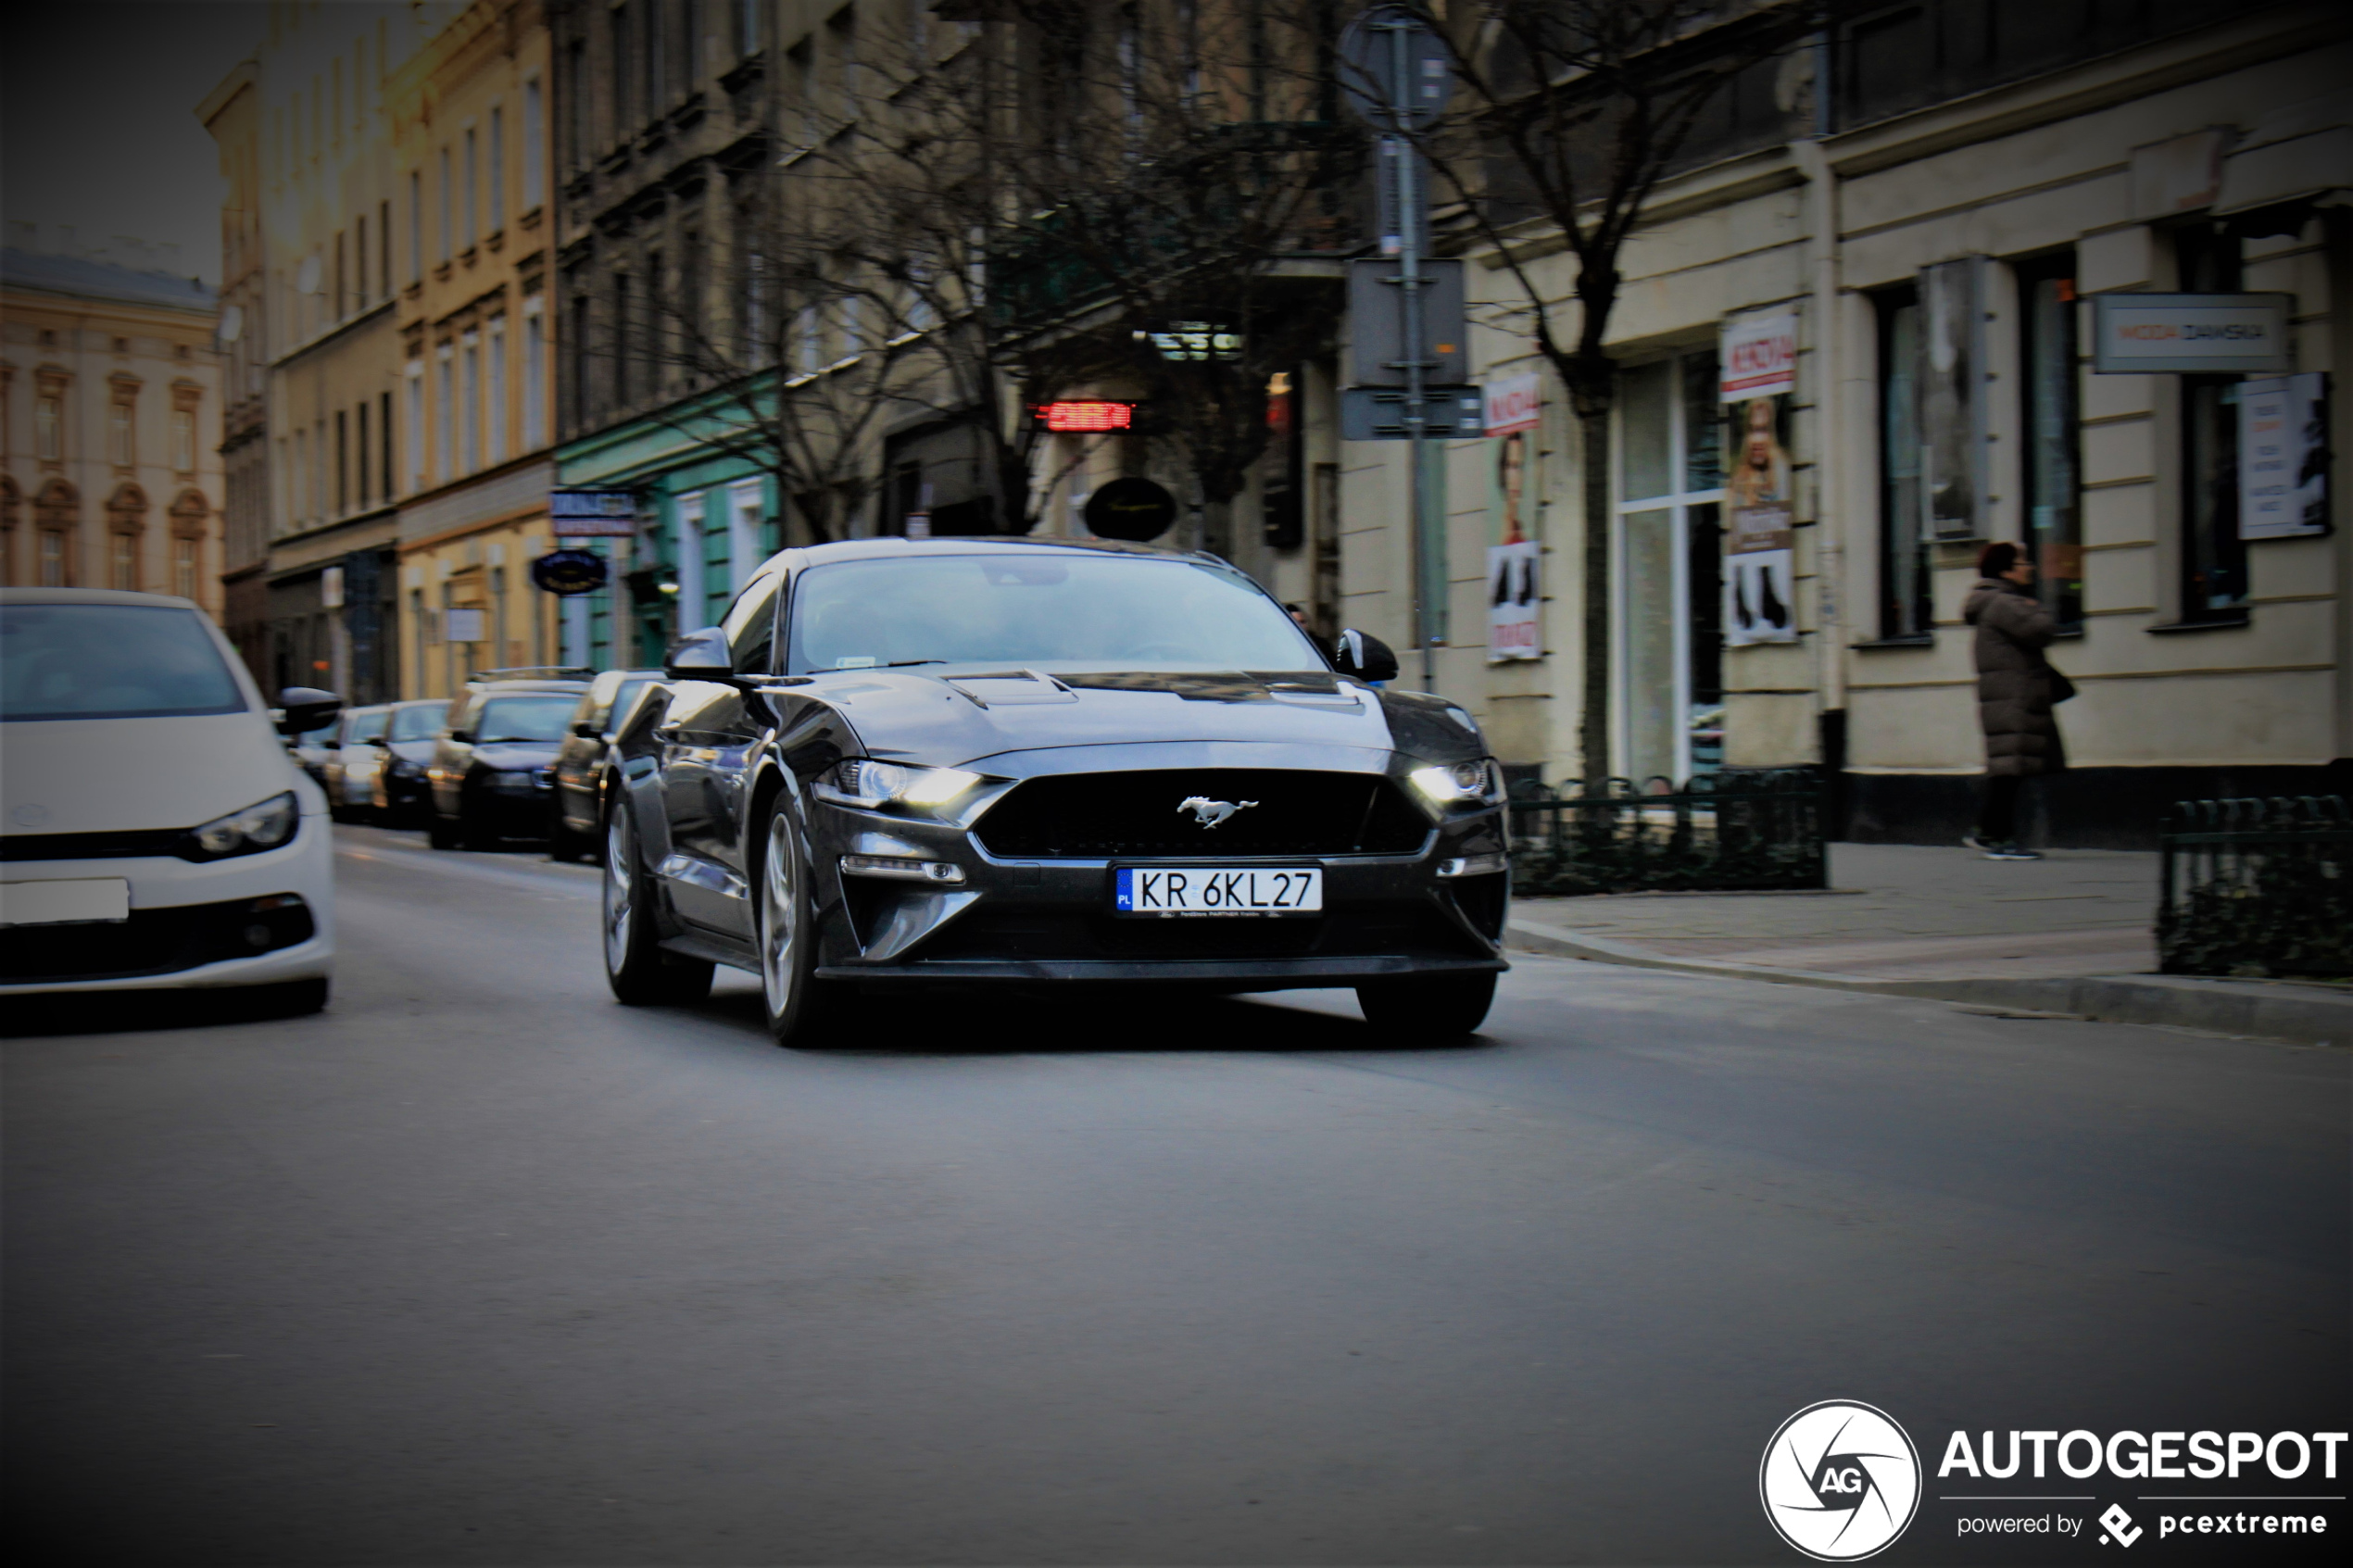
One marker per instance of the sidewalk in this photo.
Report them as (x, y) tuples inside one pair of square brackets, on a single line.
[(2070, 934)]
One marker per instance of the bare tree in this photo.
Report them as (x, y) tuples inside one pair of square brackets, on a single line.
[(1571, 113)]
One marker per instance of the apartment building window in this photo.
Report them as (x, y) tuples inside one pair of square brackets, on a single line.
[(617, 51), (470, 415), (319, 471), (534, 374), (800, 78), (416, 226), (183, 441), (446, 448), (359, 450), (535, 150), (359, 261), (575, 101), (2048, 419), (384, 247), (690, 294), (654, 335), (498, 168), (1904, 611), (343, 462), (183, 565), (624, 339), (1671, 594), (2214, 557), (384, 441), (580, 359), (841, 42), (297, 482), (449, 199), (122, 563), (342, 298), (746, 27), (122, 427), (472, 205), (810, 338), (48, 427), (495, 438), (53, 557), (657, 59)]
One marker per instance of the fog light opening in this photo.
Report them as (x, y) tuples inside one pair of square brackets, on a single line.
[(902, 869), (1475, 865)]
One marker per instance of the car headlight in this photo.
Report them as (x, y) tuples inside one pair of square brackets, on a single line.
[(1460, 783), (861, 782), (248, 832)]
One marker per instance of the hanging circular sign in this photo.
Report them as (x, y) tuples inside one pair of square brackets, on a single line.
[(568, 572), (1130, 508)]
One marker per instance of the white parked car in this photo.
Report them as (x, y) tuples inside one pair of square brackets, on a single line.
[(354, 758), (154, 832)]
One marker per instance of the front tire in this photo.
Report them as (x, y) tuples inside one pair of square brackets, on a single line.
[(443, 833), (796, 1002), (1428, 1011), (640, 974)]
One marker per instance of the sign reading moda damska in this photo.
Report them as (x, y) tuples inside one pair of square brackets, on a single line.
[(2283, 471), (2222, 333), (592, 514)]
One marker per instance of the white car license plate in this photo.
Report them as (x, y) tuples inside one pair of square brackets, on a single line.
[(1219, 890), (65, 903)]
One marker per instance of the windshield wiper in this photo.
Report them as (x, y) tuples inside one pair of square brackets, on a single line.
[(903, 663)]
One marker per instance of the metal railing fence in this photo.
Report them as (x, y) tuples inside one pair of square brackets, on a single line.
[(2257, 887), (1749, 829)]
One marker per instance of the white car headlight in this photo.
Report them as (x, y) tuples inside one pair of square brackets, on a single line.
[(1460, 783), (249, 832), (861, 782)]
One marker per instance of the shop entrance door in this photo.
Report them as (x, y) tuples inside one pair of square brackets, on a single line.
[(1668, 642)]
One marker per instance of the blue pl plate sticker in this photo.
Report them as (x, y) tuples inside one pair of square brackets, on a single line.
[(1127, 899)]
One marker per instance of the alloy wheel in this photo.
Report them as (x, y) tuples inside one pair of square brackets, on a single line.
[(621, 885), (779, 919)]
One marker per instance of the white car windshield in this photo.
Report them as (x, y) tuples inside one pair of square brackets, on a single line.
[(110, 661), (1106, 611), (524, 718)]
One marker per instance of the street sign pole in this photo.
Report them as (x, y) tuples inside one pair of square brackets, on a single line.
[(1410, 197)]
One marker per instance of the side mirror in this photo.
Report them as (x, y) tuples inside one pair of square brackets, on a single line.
[(305, 708), (464, 737), (587, 730), (1364, 655), (700, 655)]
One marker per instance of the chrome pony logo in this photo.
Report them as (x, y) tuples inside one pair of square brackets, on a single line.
[(1209, 813)]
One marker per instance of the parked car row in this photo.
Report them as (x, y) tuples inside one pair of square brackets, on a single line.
[(513, 756)]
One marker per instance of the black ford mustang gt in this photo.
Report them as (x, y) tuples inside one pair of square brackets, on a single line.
[(1003, 760)]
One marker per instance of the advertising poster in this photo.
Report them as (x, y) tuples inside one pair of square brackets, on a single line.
[(2284, 456), (1759, 372), (1514, 597)]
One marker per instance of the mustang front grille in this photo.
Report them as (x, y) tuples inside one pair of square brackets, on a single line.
[(1202, 812)]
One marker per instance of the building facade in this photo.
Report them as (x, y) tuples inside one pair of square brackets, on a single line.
[(470, 121), (110, 401), (1926, 229), (231, 113)]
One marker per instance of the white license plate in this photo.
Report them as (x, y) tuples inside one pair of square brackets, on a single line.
[(1218, 890), (65, 903)]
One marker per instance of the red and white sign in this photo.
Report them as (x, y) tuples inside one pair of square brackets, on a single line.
[(1078, 416), (1758, 357), (1515, 403)]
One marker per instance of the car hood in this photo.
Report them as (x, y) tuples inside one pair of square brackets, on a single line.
[(131, 775), (964, 720), (511, 756), (417, 751)]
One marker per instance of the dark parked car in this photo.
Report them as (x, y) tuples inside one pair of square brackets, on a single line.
[(997, 760), (572, 830), (353, 757), (493, 768), (404, 795)]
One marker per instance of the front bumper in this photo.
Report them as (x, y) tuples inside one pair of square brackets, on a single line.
[(189, 923), (1384, 917)]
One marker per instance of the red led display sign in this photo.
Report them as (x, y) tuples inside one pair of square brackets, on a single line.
[(1079, 417)]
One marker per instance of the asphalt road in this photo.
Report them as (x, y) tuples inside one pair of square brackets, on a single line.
[(479, 1268)]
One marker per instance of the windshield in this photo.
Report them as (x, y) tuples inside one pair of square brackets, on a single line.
[(1116, 611), (524, 718), (366, 726), (110, 661), (623, 700), (421, 722)]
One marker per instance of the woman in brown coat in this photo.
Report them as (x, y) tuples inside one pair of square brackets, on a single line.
[(2014, 693)]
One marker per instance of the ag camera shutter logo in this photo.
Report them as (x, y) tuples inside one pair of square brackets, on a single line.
[(1840, 1481)]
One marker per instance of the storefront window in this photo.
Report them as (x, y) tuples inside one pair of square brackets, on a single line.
[(2213, 585), (1671, 587), (2047, 414), (1903, 575)]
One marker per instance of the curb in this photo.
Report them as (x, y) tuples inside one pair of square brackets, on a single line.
[(2223, 1007)]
